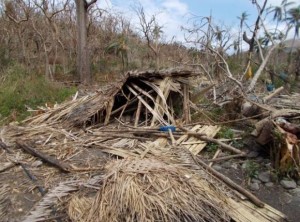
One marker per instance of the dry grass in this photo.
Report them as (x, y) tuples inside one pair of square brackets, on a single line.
[(151, 190), (4, 199)]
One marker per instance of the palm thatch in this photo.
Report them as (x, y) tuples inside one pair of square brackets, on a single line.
[(157, 178), (44, 208), (151, 190), (113, 100), (4, 200)]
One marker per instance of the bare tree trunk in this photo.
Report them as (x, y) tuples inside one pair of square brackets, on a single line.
[(83, 61), (260, 69)]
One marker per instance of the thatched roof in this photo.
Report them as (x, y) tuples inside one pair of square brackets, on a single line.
[(80, 110), (115, 172)]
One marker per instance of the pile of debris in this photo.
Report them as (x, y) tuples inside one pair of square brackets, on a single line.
[(85, 160)]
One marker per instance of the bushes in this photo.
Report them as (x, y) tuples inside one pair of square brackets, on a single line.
[(19, 89)]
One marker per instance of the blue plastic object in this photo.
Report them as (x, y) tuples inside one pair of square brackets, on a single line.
[(270, 87), (166, 128)]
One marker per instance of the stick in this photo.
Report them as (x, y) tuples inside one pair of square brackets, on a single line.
[(186, 107), (275, 93), (226, 157), (214, 157), (230, 183), (209, 139), (7, 166), (138, 113), (30, 176), (51, 160), (172, 137)]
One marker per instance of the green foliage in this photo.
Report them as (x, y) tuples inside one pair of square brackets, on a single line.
[(19, 89), (251, 169), (212, 147), (225, 133)]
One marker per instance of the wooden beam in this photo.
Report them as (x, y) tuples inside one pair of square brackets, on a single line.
[(138, 113)]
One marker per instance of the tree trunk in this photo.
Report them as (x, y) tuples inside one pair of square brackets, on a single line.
[(260, 69), (83, 62)]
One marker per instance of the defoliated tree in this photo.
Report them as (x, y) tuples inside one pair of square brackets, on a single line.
[(152, 32), (83, 60)]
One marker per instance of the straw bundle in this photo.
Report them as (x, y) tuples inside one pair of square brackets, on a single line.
[(150, 190)]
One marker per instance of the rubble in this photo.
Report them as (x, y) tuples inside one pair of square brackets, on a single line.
[(98, 165)]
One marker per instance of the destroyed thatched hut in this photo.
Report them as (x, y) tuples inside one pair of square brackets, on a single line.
[(74, 163), (146, 98)]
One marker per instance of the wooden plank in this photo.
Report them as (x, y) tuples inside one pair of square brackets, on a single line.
[(186, 138), (244, 211), (194, 144), (210, 131), (202, 130)]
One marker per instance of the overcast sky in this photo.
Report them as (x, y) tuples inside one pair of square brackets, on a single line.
[(172, 14)]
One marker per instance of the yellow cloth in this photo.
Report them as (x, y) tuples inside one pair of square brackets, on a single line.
[(249, 73)]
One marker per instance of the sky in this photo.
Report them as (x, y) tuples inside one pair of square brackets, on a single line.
[(173, 14)]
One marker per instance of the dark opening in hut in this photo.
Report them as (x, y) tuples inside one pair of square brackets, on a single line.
[(146, 99)]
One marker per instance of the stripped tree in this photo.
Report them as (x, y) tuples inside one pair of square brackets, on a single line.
[(83, 60)]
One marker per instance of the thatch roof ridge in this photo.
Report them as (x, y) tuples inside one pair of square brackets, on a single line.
[(160, 73)]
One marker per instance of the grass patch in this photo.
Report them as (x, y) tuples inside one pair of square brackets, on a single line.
[(19, 89), (251, 169)]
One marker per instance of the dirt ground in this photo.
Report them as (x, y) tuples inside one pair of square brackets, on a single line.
[(24, 194), (276, 196)]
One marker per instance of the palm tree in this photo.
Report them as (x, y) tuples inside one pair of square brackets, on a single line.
[(293, 19), (218, 33), (280, 12), (242, 18), (120, 47)]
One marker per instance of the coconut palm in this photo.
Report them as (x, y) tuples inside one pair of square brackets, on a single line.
[(218, 33), (293, 19), (242, 18), (120, 47), (280, 12)]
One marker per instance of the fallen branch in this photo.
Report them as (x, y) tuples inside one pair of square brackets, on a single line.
[(51, 160), (7, 166), (30, 176), (226, 157), (230, 183), (275, 93)]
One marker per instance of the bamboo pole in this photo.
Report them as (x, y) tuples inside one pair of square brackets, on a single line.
[(138, 113)]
